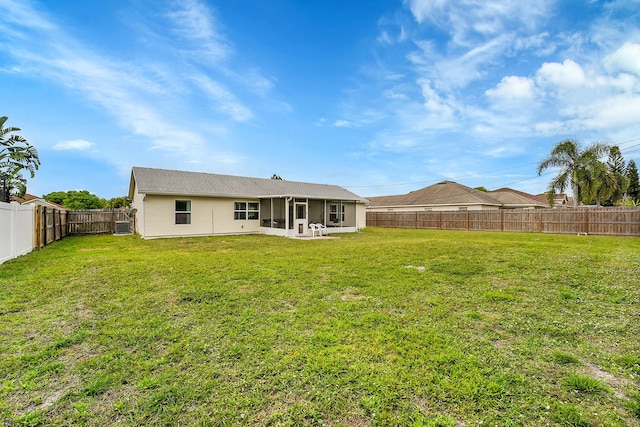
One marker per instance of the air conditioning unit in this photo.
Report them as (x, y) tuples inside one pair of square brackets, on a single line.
[(123, 227)]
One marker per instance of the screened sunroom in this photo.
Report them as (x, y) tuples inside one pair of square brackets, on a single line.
[(292, 216)]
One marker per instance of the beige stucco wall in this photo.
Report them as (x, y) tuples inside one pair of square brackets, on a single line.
[(209, 216), (136, 202), (361, 215)]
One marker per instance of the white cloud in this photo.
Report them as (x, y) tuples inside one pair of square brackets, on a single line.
[(539, 44), (433, 102), (74, 144), (607, 112), (513, 88), (566, 75), (626, 59), (458, 68), (224, 100), (395, 94), (466, 19), (342, 123), (194, 22), (385, 38)]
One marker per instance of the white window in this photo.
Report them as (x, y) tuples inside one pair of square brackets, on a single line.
[(183, 211), (246, 210), (336, 213)]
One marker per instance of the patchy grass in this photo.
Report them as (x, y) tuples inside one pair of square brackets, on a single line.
[(491, 328), (585, 384)]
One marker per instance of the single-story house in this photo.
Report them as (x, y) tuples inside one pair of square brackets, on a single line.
[(171, 203), (559, 200), (447, 196), (513, 199)]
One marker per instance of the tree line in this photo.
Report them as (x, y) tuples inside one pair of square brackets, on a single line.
[(83, 199)]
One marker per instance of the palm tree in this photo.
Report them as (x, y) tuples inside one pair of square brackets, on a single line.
[(15, 152), (12, 185), (598, 183), (573, 162)]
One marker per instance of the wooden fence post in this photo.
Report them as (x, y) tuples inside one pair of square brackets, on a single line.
[(586, 221), (540, 224), (44, 226), (36, 227), (59, 223)]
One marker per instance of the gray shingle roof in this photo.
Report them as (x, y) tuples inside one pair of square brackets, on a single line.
[(173, 182)]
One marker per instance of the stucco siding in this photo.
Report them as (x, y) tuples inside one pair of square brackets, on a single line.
[(137, 203), (223, 222), (361, 215), (209, 216)]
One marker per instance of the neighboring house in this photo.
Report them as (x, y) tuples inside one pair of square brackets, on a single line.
[(443, 196), (30, 199), (174, 203), (514, 199), (449, 195), (559, 200)]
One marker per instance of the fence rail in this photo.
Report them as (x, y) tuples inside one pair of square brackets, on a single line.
[(616, 221)]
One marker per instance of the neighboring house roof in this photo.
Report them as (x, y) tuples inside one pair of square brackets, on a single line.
[(558, 199), (441, 194), (181, 183), (30, 199), (516, 199)]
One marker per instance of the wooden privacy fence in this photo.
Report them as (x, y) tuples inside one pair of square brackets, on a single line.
[(54, 224), (49, 225), (96, 221), (602, 221)]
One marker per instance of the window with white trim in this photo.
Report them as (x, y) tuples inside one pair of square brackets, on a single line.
[(246, 210), (335, 213), (183, 211)]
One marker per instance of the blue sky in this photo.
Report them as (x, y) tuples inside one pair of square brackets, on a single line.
[(380, 97)]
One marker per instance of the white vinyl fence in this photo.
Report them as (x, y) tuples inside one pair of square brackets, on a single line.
[(16, 230)]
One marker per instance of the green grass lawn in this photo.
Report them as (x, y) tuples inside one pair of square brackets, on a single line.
[(382, 327)]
